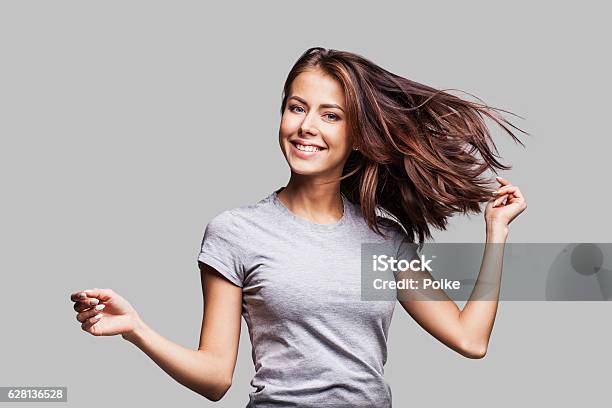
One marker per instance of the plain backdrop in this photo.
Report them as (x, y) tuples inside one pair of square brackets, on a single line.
[(127, 125)]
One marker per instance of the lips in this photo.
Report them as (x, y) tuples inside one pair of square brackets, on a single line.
[(305, 143), (307, 148), (305, 151)]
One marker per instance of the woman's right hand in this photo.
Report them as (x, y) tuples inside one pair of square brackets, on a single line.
[(115, 315)]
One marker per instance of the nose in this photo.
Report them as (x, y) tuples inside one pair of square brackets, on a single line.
[(307, 125)]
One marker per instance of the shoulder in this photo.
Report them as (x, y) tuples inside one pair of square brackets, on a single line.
[(242, 218), (233, 235), (226, 232)]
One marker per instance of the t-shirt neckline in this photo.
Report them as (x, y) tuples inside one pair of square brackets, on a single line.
[(343, 220)]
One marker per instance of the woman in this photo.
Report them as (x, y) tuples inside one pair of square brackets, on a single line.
[(364, 146)]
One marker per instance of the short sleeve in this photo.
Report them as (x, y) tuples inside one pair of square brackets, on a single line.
[(406, 250), (399, 243), (222, 247)]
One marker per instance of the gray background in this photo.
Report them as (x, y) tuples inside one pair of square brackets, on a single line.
[(127, 125)]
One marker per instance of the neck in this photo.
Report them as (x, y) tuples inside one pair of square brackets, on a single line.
[(308, 198)]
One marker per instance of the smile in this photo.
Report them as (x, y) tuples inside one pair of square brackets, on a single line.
[(306, 151), (307, 148)]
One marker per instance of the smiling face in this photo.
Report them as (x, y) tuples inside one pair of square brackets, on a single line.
[(313, 130)]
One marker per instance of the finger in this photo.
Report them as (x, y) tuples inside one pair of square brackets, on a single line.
[(517, 193), (516, 199), (499, 200), (76, 296), (513, 191), (502, 181), (505, 190), (80, 307), (85, 304), (513, 199), (83, 316), (102, 294), (89, 324)]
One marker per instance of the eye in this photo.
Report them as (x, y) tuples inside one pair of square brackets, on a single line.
[(334, 116), (292, 107)]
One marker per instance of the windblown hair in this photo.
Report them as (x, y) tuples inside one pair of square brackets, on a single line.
[(421, 151)]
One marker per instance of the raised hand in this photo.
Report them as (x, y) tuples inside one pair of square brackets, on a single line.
[(507, 204), (102, 312)]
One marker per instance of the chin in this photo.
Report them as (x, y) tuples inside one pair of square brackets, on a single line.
[(306, 170)]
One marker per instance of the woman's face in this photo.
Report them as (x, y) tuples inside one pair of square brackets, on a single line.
[(313, 130)]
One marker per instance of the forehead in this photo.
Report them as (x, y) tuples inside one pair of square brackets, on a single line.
[(315, 85)]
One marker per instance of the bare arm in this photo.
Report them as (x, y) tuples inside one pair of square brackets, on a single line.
[(208, 370), (468, 331)]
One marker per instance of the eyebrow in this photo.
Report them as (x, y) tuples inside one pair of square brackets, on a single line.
[(324, 105)]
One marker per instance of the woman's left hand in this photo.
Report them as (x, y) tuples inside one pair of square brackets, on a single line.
[(507, 204)]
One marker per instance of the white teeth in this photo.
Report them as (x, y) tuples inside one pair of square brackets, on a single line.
[(307, 148)]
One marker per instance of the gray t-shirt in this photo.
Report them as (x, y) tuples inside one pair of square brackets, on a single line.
[(315, 343)]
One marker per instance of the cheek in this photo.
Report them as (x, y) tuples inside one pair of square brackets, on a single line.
[(338, 140), (288, 124)]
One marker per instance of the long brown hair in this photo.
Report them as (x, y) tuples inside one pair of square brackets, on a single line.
[(418, 147)]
